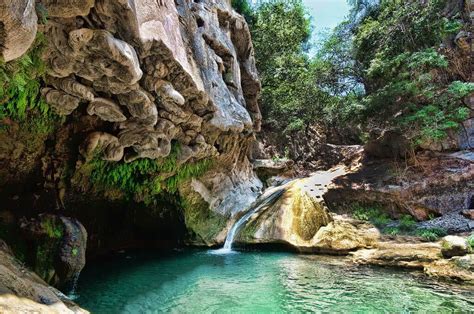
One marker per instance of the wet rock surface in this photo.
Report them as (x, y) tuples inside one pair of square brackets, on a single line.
[(22, 291), (301, 219), (421, 256), (57, 247)]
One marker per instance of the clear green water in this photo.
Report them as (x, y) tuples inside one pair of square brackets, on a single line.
[(258, 282)]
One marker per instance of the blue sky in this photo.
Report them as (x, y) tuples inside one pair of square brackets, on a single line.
[(326, 14)]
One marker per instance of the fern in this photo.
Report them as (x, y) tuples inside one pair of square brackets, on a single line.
[(145, 179), (20, 98)]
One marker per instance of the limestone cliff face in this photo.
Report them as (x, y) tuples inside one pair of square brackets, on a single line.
[(157, 70), (135, 79)]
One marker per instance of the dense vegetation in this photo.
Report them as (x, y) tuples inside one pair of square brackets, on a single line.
[(20, 99), (144, 179), (405, 225), (391, 65)]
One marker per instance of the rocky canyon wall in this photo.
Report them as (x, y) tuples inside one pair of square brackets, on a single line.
[(133, 85)]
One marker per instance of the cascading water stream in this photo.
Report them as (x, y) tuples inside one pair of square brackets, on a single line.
[(268, 198)]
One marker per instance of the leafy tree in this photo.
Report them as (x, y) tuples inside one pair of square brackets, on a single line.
[(281, 31), (406, 74), (244, 8)]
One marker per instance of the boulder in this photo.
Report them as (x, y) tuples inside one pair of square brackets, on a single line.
[(466, 261), (71, 257), (22, 291), (454, 246), (468, 213), (59, 245), (294, 217), (345, 235), (300, 218)]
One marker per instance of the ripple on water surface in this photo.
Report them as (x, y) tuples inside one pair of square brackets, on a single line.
[(252, 282)]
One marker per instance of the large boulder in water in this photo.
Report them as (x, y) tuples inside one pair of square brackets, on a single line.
[(58, 247), (22, 291), (301, 219)]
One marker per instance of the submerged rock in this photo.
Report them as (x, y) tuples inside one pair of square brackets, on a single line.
[(421, 256)]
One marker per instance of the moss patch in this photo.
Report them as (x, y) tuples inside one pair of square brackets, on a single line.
[(142, 180), (200, 219)]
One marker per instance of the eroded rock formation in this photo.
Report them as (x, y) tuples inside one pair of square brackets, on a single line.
[(18, 26), (300, 218), (133, 80), (163, 71)]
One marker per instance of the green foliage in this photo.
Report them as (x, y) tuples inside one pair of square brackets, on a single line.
[(145, 179), (382, 68), (407, 223), (452, 26), (74, 251), (244, 8), (280, 32), (20, 98), (393, 231), (42, 13), (205, 223), (374, 214), (470, 240), (405, 72), (52, 229), (431, 234)]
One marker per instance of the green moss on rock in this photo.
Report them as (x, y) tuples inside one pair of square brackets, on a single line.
[(143, 179), (201, 220)]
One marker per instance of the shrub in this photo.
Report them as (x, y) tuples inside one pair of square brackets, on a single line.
[(410, 83), (431, 234), (407, 223), (52, 229), (392, 231), (470, 240), (373, 214), (20, 100)]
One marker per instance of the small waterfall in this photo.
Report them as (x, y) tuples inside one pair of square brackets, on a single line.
[(73, 288), (268, 198)]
